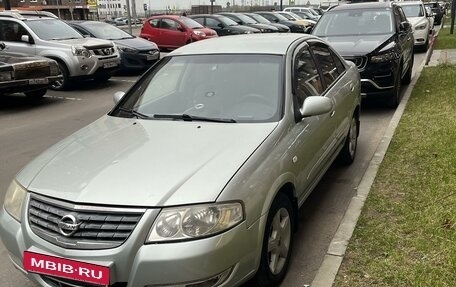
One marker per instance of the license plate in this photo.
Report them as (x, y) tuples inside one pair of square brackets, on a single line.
[(151, 57), (38, 81), (66, 268), (109, 65)]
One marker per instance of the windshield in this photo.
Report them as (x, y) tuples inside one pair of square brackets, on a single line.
[(287, 16), (227, 21), (53, 29), (106, 31), (245, 19), (280, 17), (192, 24), (259, 18), (354, 22), (244, 88), (413, 10)]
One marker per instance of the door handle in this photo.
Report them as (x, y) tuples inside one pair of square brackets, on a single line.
[(332, 113)]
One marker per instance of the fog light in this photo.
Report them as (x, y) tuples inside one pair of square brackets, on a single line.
[(214, 281), (84, 67)]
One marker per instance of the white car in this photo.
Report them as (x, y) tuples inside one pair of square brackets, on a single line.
[(417, 16)]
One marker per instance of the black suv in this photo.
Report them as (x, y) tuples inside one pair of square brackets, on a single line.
[(31, 75), (437, 10), (378, 38)]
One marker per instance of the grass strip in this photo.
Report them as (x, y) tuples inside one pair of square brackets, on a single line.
[(406, 235), (445, 40)]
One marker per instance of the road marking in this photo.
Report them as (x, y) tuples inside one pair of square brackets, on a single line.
[(63, 98)]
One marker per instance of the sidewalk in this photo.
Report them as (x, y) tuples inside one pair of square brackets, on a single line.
[(443, 57)]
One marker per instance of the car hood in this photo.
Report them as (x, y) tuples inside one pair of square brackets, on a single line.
[(357, 45), (119, 161), (416, 20), (243, 28), (87, 42), (136, 43)]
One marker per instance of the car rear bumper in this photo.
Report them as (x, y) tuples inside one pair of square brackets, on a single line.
[(26, 85)]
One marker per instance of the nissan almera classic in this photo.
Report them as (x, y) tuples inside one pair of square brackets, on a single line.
[(196, 176)]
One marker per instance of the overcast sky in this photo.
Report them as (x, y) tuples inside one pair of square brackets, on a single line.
[(186, 4)]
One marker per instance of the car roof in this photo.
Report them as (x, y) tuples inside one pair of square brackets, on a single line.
[(206, 15), (243, 44), (366, 5)]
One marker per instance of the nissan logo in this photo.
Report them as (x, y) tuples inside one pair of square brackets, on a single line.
[(107, 51), (68, 225)]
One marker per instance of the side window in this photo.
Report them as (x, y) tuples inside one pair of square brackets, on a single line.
[(212, 23), (339, 64), (154, 23), (269, 17), (199, 20), (306, 78), (11, 31), (325, 59), (169, 24)]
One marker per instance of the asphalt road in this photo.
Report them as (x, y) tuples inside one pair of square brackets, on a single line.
[(27, 129)]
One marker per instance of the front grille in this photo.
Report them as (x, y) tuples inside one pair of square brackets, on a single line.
[(103, 51), (61, 282), (92, 227), (360, 62), (31, 71)]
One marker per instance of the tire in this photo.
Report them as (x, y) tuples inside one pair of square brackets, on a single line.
[(348, 152), (37, 94), (65, 83), (278, 236), (395, 95), (408, 76)]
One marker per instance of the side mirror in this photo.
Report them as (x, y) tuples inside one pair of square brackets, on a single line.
[(25, 38), (404, 26), (118, 96), (2, 46), (316, 105)]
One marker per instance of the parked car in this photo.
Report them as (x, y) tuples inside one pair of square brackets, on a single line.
[(260, 19), (306, 16), (303, 9), (195, 178), (298, 19), (223, 25), (241, 19), (172, 31), (437, 10), (417, 16), (43, 34), (378, 38), (135, 53), (275, 17), (120, 21), (21, 73)]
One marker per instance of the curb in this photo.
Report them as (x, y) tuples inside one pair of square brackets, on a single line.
[(332, 261)]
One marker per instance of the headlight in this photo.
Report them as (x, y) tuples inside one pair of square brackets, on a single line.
[(192, 222), (127, 49), (6, 76), (384, 57), (421, 26), (199, 33), (80, 51), (248, 32), (14, 199)]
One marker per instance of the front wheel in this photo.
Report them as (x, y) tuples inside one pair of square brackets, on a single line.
[(395, 95), (64, 83), (277, 243)]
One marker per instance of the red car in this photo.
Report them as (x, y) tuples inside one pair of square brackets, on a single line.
[(172, 31)]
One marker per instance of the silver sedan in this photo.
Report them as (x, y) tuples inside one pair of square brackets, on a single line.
[(196, 176)]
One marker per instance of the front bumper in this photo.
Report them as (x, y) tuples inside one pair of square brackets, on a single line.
[(82, 67), (378, 78), (135, 264), (421, 36), (138, 61)]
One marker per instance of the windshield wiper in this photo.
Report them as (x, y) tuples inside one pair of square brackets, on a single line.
[(135, 113), (70, 38), (189, 118)]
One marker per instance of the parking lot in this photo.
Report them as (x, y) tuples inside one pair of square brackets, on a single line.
[(27, 128)]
